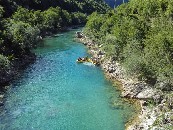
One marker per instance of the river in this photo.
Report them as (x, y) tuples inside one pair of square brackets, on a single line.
[(56, 93)]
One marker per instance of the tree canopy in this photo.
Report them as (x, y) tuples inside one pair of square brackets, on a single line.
[(22, 23), (139, 35)]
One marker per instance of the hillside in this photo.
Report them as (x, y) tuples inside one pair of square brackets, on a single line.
[(86, 6), (24, 23), (139, 36)]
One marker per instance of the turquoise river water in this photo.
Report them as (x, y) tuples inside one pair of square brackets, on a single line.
[(56, 93)]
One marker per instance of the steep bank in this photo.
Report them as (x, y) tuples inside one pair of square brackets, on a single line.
[(155, 104)]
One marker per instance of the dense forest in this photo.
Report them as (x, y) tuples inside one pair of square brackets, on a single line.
[(139, 35), (84, 6), (24, 23)]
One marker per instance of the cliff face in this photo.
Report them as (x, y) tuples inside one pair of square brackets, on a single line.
[(114, 3)]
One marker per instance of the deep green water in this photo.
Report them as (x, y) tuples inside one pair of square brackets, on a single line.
[(56, 93)]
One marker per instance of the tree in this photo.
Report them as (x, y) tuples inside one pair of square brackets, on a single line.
[(52, 18), (4, 63), (78, 18), (22, 35)]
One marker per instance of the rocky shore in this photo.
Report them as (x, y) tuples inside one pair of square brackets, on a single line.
[(155, 110)]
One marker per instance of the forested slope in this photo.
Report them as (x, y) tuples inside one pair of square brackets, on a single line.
[(138, 34), (84, 6), (23, 23)]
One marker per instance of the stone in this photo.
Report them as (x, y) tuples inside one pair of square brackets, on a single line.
[(157, 98), (146, 94), (79, 34)]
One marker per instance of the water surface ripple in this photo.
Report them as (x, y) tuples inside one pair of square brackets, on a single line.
[(56, 93)]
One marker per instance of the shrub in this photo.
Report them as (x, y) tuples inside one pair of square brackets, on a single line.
[(4, 62)]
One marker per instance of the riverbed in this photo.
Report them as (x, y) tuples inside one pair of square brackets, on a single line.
[(56, 93)]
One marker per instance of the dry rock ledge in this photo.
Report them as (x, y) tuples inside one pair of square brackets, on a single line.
[(131, 88)]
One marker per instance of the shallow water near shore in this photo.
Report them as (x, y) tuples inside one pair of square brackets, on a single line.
[(56, 93)]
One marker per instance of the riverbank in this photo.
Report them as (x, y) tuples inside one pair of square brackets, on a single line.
[(22, 61), (154, 103), (58, 92), (18, 64)]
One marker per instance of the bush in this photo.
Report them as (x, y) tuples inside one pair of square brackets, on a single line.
[(111, 47), (4, 62), (22, 35), (78, 18), (139, 35)]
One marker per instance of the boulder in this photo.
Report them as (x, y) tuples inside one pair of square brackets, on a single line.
[(79, 34), (147, 93)]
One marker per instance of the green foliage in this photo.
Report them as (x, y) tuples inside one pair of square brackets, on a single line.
[(1, 15), (78, 18), (24, 22), (83, 6), (22, 14), (23, 35), (1, 11), (133, 60), (66, 17), (93, 25), (110, 47), (20, 32), (139, 34), (4, 62), (52, 18)]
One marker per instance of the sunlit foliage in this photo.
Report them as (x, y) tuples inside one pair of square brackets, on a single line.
[(139, 34)]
